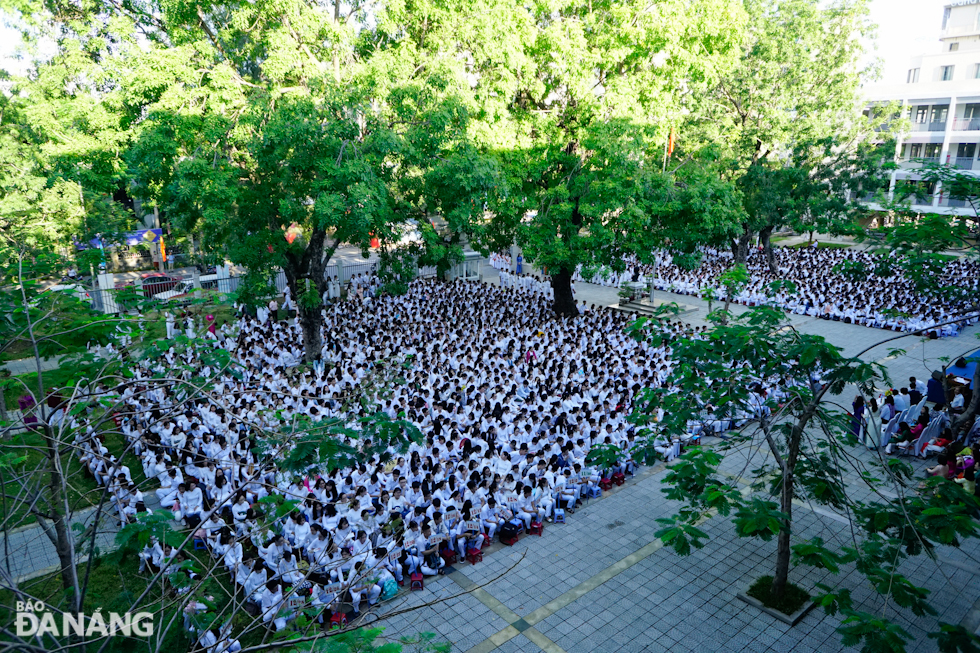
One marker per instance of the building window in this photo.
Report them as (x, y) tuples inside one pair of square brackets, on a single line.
[(914, 75), (976, 71), (953, 47), (966, 150), (946, 73), (921, 113), (915, 150), (933, 150), (939, 113)]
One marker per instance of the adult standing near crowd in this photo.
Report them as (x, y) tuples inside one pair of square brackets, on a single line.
[(872, 424), (273, 310), (857, 417)]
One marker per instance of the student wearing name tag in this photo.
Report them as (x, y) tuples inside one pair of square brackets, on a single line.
[(471, 537)]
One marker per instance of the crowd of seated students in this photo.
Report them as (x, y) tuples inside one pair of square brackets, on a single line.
[(509, 399), (821, 288)]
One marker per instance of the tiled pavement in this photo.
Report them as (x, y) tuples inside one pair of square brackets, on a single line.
[(603, 583)]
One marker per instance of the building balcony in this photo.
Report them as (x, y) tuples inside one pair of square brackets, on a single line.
[(966, 164), (929, 126), (966, 124)]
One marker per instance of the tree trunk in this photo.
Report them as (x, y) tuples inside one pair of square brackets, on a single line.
[(742, 248), (62, 540), (561, 283), (309, 321), (781, 576), (764, 237), (788, 466), (300, 271)]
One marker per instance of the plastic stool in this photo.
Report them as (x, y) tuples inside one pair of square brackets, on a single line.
[(418, 581), (537, 528), (474, 555), (559, 516)]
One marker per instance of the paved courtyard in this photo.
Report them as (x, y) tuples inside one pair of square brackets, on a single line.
[(604, 583)]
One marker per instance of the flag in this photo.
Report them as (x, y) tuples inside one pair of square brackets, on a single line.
[(670, 143)]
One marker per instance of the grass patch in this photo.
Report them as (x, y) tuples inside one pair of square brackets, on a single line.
[(793, 598), (115, 582), (16, 351), (822, 245), (83, 490), (53, 378)]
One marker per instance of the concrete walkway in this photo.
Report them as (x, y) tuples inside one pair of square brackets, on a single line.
[(604, 582), (29, 365)]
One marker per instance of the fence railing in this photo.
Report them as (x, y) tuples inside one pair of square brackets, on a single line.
[(920, 160), (966, 164), (116, 300)]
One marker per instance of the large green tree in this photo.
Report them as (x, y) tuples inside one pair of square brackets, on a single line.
[(61, 139), (787, 116), (281, 142), (576, 102)]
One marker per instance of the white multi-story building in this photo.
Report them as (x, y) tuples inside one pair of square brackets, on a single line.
[(941, 99)]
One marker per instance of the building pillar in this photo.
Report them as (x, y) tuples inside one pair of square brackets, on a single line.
[(944, 152)]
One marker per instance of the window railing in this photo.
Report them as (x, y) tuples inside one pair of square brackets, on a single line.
[(953, 203)]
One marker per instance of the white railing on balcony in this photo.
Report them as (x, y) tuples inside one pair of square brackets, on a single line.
[(919, 160), (929, 126), (954, 203), (966, 124)]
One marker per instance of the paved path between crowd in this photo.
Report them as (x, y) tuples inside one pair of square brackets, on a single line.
[(28, 553), (604, 582)]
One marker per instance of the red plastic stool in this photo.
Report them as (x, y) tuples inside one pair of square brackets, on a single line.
[(537, 528), (418, 581), (338, 620), (474, 555)]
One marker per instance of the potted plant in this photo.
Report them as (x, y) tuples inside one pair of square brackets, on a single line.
[(626, 294)]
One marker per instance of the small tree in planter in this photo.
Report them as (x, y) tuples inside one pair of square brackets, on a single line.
[(733, 280), (626, 294), (808, 443), (710, 295)]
